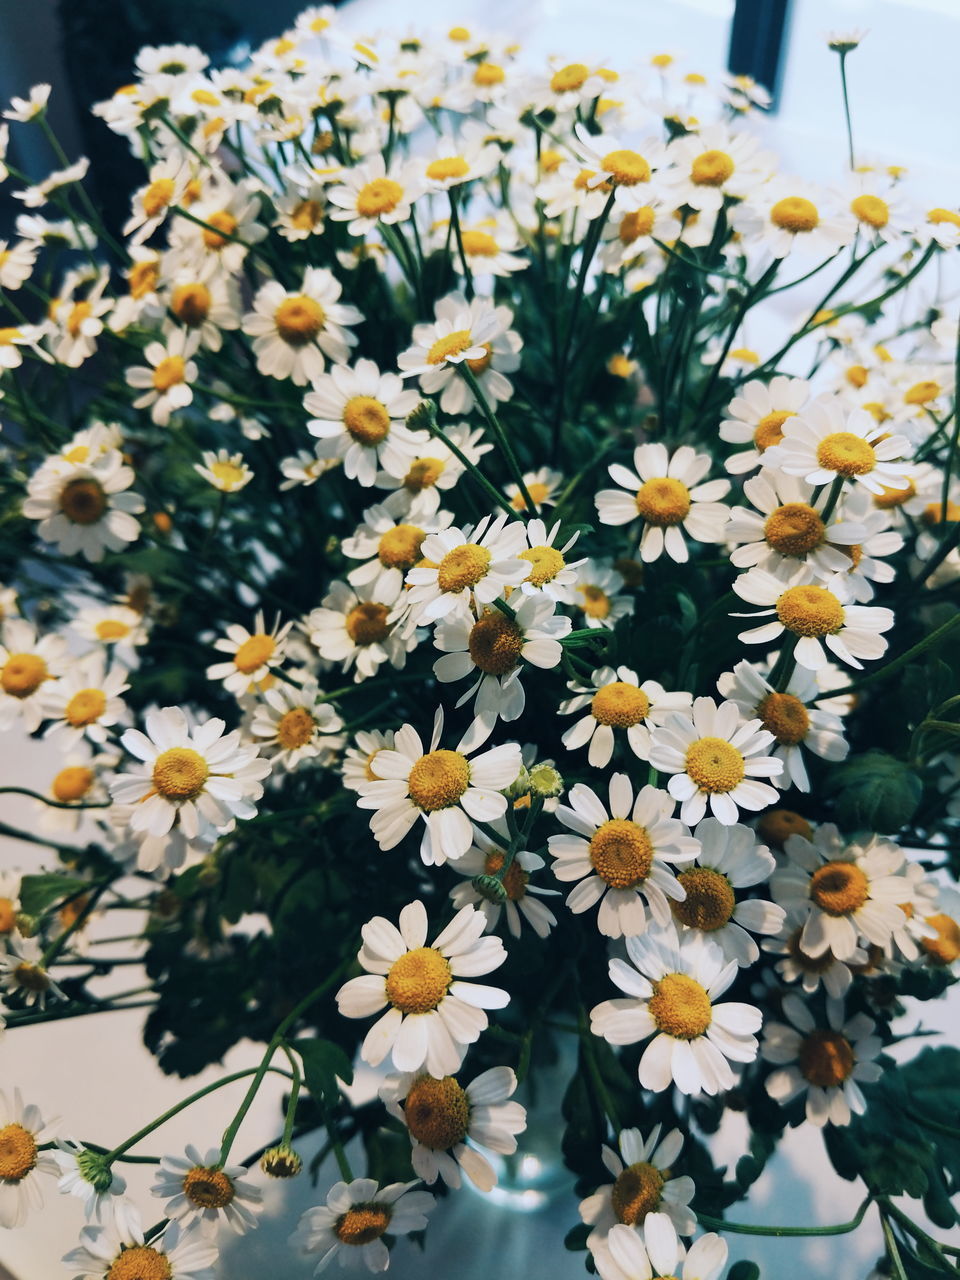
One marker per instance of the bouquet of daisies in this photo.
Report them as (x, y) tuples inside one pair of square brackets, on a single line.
[(482, 544)]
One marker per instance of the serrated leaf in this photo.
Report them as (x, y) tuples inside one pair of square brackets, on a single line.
[(324, 1065)]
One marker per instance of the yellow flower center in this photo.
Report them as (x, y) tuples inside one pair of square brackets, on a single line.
[(626, 168), (306, 214), (8, 915), (191, 304), (796, 214), (857, 375), (871, 210), (746, 355), (620, 704), (663, 502), (452, 345), (399, 547), (945, 947), (846, 454), (18, 1152), (482, 363), (85, 707), (423, 474), (223, 222), (23, 674), (366, 419), (637, 223), (596, 602), (810, 611), (169, 373), (418, 980), (479, 244), (71, 783), (83, 501), (31, 977), (437, 1112), (487, 74), (776, 826), (447, 167), (637, 1191), (208, 1188), (680, 1006), (712, 169), (838, 888), (545, 562), (362, 1224), (621, 853), (295, 728), (710, 899), (785, 717), (8, 335), (110, 629), (539, 493), (367, 622), (382, 195), (179, 773), (769, 430), (299, 319), (438, 780), (825, 1059), (933, 512), (794, 529), (140, 1262), (495, 643), (715, 765), (922, 392), (568, 78), (157, 196), (937, 216), (582, 181), (79, 312), (254, 652), (515, 879), (228, 474), (142, 278), (463, 567)]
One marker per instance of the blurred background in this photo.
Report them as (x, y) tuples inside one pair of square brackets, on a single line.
[(95, 1071)]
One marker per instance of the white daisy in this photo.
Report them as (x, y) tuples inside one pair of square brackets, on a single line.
[(22, 1164), (443, 787), (253, 654), (660, 1253), (15, 337), (543, 486), (300, 212), (294, 727), (467, 568), (568, 86), (627, 172), (167, 376), (200, 1190), (116, 1252), (452, 161), (16, 264), (489, 247), (151, 204), (370, 194), (629, 235), (788, 215), (434, 468), (26, 109), (706, 167), (597, 595), (355, 1216), (670, 995), (666, 493), (519, 897), (795, 965), (390, 538), (358, 627), (205, 302), (9, 904), (230, 212), (617, 700), (828, 442), (865, 565), (27, 663), (85, 508), (756, 418), (829, 1061), (86, 701), (227, 472), (359, 760), (101, 1191), (877, 208), (305, 468), (116, 627), (550, 571), (22, 971), (623, 857), (433, 1015), (293, 331)]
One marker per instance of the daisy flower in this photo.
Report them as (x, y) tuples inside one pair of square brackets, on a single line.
[(644, 1184), (76, 323), (83, 1174), (486, 857), (447, 1123), (304, 468), (467, 568), (570, 85), (13, 338), (452, 161), (730, 858), (22, 972), (86, 701), (706, 168), (26, 109), (9, 903), (120, 1252), (86, 508), (151, 204), (550, 572), (477, 333), (192, 777), (816, 615), (254, 654), (358, 414), (27, 663), (617, 700), (371, 194), (572, 188), (433, 1015), (434, 468), (877, 209), (661, 1253), (490, 248), (626, 172), (390, 538), (827, 1063), (715, 755), (359, 760), (355, 1216), (226, 471), (443, 787), (542, 485), (597, 595), (293, 331), (844, 892), (16, 264), (789, 717), (787, 215), (666, 493), (623, 857), (359, 627), (23, 1131), (629, 235), (670, 995), (205, 302), (167, 376), (200, 1190), (116, 627), (810, 971), (230, 212), (827, 442), (294, 727)]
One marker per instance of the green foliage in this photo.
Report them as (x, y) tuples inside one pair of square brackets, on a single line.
[(38, 892), (874, 792), (324, 1065)]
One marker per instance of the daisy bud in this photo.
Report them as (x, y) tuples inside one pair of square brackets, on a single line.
[(26, 924), (95, 1170), (520, 786), (546, 781), (281, 1162)]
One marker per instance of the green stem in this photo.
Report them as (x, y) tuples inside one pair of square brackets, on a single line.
[(426, 416), (893, 1251), (57, 945), (749, 1229), (607, 1105), (501, 437), (294, 1094), (455, 220), (833, 497), (846, 108), (15, 833), (53, 804)]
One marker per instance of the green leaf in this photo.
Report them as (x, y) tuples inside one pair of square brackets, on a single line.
[(576, 1238), (40, 891), (744, 1270), (324, 1065), (874, 791)]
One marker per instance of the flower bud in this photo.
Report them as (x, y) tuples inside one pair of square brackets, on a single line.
[(281, 1162)]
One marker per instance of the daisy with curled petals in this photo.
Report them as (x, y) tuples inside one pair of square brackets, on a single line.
[(359, 760), (622, 857), (226, 471), (86, 702), (628, 237), (730, 858), (844, 892), (200, 1191), (715, 755), (815, 615), (86, 508), (597, 595), (828, 442), (756, 418), (789, 716), (433, 1015), (617, 700), (294, 727), (447, 1123), (434, 467), (16, 264), (203, 301), (370, 194), (476, 333), (357, 1214), (191, 776), (23, 1131), (660, 1253), (116, 1252), (356, 627), (443, 787), (150, 205), (467, 568), (707, 167), (253, 654), (627, 172), (666, 494), (103, 1199), (795, 965), (389, 540), (486, 857), (22, 971), (671, 990), (864, 565), (27, 663), (643, 1184), (165, 379), (304, 468), (292, 331), (827, 1063), (358, 414)]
